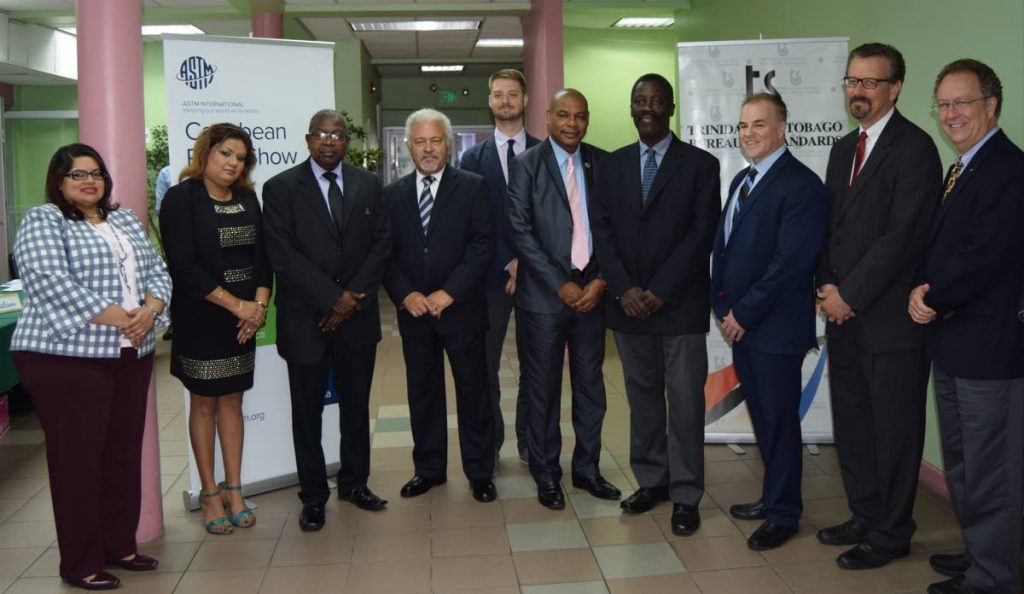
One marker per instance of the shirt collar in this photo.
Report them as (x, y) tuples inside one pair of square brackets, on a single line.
[(966, 157), (420, 177), (319, 171), (561, 154), (876, 129), (766, 163), (660, 147), (500, 138)]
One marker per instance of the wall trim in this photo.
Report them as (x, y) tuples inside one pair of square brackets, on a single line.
[(934, 479)]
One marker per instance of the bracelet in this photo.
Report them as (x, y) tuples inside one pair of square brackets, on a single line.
[(260, 303), (240, 303), (156, 314)]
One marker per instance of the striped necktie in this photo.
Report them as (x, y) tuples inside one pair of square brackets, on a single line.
[(647, 178), (747, 187), (426, 202)]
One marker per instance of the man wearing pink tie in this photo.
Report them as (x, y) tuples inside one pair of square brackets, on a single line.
[(558, 294)]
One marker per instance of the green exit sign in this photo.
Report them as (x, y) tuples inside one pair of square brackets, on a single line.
[(449, 96)]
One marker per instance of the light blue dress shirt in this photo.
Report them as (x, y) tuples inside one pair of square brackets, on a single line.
[(762, 168)]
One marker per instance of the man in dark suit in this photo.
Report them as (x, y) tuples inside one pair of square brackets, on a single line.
[(442, 244), (490, 158), (328, 241), (762, 293), (968, 299), (654, 213), (558, 297), (883, 183)]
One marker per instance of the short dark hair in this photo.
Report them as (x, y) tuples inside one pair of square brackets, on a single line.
[(211, 137), (774, 99), (987, 78), (507, 74), (657, 79), (897, 67), (327, 114), (60, 165)]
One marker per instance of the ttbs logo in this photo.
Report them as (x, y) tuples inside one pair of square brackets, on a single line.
[(754, 74), (196, 72)]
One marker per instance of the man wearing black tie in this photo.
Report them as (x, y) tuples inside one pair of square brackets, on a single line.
[(883, 185), (441, 246), (328, 241)]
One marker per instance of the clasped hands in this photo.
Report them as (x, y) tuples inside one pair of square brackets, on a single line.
[(348, 304), (418, 304), (582, 299), (640, 303), (138, 325), (251, 317), (833, 306)]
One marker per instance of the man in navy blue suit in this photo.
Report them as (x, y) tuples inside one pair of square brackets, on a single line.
[(507, 100), (762, 294)]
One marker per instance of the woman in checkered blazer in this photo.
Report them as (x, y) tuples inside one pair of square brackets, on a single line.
[(84, 350)]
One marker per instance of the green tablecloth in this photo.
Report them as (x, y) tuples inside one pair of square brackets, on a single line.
[(8, 374)]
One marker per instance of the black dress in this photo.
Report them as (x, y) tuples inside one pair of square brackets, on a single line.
[(226, 250)]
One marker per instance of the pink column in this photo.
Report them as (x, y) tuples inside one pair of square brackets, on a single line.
[(543, 61), (268, 24), (110, 118)]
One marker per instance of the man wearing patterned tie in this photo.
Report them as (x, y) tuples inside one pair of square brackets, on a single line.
[(558, 297), (441, 247), (883, 186), (968, 299), (655, 212)]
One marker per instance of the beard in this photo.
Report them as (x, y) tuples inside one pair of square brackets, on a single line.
[(860, 106), (507, 115)]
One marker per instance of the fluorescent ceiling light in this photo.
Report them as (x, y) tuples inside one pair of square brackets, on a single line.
[(499, 43), (442, 68), (415, 25), (644, 22), (154, 30)]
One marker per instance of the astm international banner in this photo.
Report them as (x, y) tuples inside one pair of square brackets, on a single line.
[(714, 78), (267, 87)]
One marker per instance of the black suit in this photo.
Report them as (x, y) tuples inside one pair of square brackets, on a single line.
[(452, 255), (662, 247), (315, 258), (483, 159), (974, 268), (540, 229), (877, 373)]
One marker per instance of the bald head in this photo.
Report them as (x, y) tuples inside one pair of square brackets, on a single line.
[(568, 116), (563, 93)]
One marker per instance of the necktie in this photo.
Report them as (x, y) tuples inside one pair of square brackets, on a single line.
[(335, 199), (858, 159), (647, 178), (426, 202), (509, 155), (580, 247), (748, 185), (954, 172)]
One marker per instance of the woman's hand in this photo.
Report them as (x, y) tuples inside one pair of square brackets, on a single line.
[(250, 312), (139, 324), (246, 331)]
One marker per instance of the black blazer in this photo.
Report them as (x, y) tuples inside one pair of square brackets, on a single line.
[(540, 224), (877, 231), (452, 255), (188, 227), (765, 272), (974, 267), (314, 264), (664, 246), (482, 159)]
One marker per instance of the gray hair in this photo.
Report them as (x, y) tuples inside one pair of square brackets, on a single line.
[(327, 114), (427, 114)]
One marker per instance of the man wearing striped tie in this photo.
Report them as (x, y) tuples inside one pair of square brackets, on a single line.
[(441, 246)]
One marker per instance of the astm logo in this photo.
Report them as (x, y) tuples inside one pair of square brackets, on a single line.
[(196, 72)]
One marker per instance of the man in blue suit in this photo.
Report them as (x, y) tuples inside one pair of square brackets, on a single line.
[(507, 100), (762, 294)]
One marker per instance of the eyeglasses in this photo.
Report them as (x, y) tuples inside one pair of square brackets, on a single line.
[(867, 83), (958, 105), (322, 136), (81, 174)]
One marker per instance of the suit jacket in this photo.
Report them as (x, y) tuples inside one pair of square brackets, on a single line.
[(540, 224), (452, 255), (482, 159), (877, 231), (765, 273), (974, 267), (662, 247), (314, 263)]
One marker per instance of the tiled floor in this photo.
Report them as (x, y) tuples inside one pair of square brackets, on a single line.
[(446, 542)]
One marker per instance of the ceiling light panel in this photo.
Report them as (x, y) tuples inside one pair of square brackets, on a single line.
[(644, 22), (419, 26)]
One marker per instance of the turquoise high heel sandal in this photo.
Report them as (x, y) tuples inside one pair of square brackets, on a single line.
[(244, 518), (220, 526)]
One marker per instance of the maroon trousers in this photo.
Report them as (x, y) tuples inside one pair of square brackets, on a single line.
[(93, 413)]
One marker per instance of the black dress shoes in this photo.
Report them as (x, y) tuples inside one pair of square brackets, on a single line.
[(483, 490), (957, 585), (769, 535), (550, 495), (419, 485), (685, 519), (100, 581), (644, 499), (949, 565), (363, 498), (869, 556), (850, 532), (311, 518), (597, 486), (749, 511), (139, 562)]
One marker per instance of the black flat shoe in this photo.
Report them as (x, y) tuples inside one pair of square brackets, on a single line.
[(363, 498), (769, 536), (419, 485), (685, 519), (644, 499), (949, 565), (311, 518), (597, 486), (139, 562), (749, 511), (551, 496), (869, 556), (850, 532), (484, 490), (100, 581), (958, 585)]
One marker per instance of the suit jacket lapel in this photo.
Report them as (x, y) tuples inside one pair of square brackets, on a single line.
[(761, 187), (670, 163), (351, 181), (962, 181), (551, 163), (878, 154), (490, 159), (446, 189), (310, 192)]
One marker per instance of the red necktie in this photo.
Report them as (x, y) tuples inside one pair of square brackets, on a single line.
[(858, 160)]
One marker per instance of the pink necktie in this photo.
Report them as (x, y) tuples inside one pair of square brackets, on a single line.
[(580, 247)]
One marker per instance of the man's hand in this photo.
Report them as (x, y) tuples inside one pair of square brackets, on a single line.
[(632, 302), (570, 293), (835, 309), (513, 269), (592, 294), (919, 312), (331, 321), (348, 303), (416, 304), (438, 301), (731, 329), (654, 303)]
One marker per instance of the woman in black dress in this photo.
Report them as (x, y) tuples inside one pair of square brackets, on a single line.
[(212, 233)]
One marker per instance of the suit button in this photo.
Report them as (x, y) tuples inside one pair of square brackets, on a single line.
[(426, 250)]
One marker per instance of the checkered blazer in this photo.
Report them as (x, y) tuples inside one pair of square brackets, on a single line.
[(70, 275)]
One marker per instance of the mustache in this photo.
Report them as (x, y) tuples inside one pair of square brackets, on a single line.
[(860, 98)]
